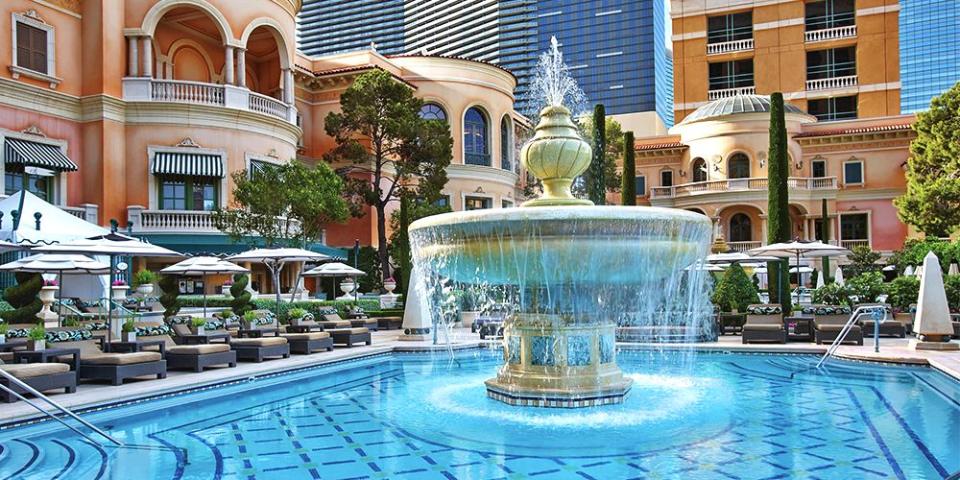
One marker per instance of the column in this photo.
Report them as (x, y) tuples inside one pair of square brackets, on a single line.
[(147, 56), (228, 67), (132, 57), (287, 86), (241, 67)]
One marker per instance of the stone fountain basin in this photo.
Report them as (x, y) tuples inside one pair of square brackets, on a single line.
[(560, 244)]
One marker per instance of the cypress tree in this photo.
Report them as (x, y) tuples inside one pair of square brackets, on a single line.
[(597, 190), (628, 189), (403, 240), (825, 238), (778, 209)]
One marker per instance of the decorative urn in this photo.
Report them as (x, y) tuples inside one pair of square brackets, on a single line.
[(556, 155)]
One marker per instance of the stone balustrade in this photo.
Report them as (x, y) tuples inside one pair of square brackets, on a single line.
[(144, 89), (832, 83), (731, 92), (826, 34), (740, 184), (731, 46), (175, 221)]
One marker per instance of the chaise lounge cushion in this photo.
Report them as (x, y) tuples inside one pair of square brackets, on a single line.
[(31, 370), (122, 358), (258, 342), (351, 331), (305, 336), (772, 327), (199, 349)]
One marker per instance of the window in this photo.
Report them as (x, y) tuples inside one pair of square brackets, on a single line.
[(819, 168), (189, 193), (738, 166), (837, 108), (727, 28), (443, 201), (699, 170), (31, 47), (854, 226), (825, 14), (735, 74), (818, 230), (506, 144), (853, 172), (506, 204), (666, 178), (741, 229), (831, 63), (37, 181), (432, 111), (477, 203), (475, 138), (258, 166), (641, 183)]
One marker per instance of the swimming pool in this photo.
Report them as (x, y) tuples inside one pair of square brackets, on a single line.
[(425, 416)]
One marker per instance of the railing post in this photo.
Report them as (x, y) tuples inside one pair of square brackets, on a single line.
[(91, 212), (135, 216)]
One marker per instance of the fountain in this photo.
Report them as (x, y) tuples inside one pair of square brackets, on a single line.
[(566, 272)]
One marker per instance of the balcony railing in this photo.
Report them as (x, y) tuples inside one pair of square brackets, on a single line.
[(86, 211), (836, 33), (269, 105), (482, 159), (731, 46), (730, 92), (739, 185), (831, 83), (849, 244), (187, 92), (144, 89), (744, 246), (178, 221)]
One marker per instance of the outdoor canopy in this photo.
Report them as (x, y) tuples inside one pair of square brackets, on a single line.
[(203, 266), (275, 258), (335, 269)]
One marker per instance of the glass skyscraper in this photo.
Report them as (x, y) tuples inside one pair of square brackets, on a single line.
[(929, 51), (334, 26)]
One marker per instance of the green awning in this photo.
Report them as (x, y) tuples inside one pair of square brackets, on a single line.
[(221, 245)]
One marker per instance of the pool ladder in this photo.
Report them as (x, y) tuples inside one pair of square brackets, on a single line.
[(879, 314), (16, 381)]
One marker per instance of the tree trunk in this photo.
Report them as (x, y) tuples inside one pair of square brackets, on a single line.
[(382, 253)]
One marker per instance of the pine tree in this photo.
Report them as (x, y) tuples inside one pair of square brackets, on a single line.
[(778, 202), (597, 188), (628, 191)]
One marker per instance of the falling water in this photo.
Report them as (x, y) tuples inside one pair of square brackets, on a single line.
[(553, 85)]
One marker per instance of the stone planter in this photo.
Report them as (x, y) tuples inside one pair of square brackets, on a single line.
[(389, 286), (145, 289), (3, 338), (129, 336), (296, 322), (36, 345), (197, 330), (47, 295), (467, 318), (225, 291), (119, 292)]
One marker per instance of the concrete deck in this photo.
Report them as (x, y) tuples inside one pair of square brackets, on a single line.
[(93, 394)]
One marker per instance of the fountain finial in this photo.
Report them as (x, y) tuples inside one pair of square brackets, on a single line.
[(556, 155)]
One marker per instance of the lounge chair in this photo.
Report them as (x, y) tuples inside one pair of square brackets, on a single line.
[(370, 324), (350, 336), (829, 320), (115, 367), (764, 323), (180, 326), (17, 331), (390, 323), (189, 357), (955, 319), (906, 319), (260, 349), (42, 377), (891, 327), (333, 321), (307, 343)]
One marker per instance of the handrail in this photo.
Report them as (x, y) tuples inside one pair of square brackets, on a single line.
[(862, 310), (56, 405)]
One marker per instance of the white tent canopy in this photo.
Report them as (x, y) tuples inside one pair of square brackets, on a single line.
[(56, 225), (275, 258), (335, 269), (203, 266), (57, 262), (113, 244)]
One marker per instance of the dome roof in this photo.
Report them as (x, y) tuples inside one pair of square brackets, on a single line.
[(735, 105)]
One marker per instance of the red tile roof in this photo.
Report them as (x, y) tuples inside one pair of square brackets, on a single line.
[(334, 71), (854, 131), (455, 57), (659, 146)]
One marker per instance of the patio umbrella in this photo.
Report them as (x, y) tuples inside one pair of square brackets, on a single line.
[(919, 271), (57, 262), (737, 257), (798, 248), (275, 258), (335, 269), (112, 245), (838, 276), (708, 267), (907, 272), (820, 280), (204, 266)]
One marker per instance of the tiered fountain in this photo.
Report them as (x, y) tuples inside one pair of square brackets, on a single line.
[(568, 272)]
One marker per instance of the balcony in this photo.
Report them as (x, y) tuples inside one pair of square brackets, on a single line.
[(832, 83), (729, 47), (174, 221), (86, 211), (730, 92), (740, 185), (837, 33), (144, 89), (743, 247), (849, 244)]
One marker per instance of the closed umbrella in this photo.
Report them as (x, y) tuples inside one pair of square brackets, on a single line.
[(57, 262), (954, 269), (908, 272), (820, 280), (838, 276), (275, 259), (204, 266), (335, 269)]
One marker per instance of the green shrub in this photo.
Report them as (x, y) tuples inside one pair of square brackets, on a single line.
[(735, 290), (902, 292), (863, 260), (226, 313), (240, 303), (23, 298), (128, 326), (952, 285), (168, 298), (831, 294), (297, 313), (198, 322), (144, 277), (866, 287), (4, 328), (37, 333)]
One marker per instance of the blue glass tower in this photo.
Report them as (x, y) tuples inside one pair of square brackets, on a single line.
[(333, 26), (929, 59)]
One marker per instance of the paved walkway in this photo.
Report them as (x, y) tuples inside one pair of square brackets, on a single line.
[(895, 350)]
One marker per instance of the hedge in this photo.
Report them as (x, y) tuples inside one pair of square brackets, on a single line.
[(269, 303)]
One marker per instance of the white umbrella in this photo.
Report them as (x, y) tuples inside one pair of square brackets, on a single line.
[(821, 281), (336, 269), (275, 258), (204, 266), (907, 272), (889, 268), (838, 276), (954, 269), (919, 271), (736, 257), (6, 246), (798, 248), (57, 262)]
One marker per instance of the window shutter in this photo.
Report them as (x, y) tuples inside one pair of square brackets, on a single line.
[(39, 45), (31, 48)]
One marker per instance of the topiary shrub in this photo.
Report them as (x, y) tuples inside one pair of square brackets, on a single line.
[(240, 303), (23, 298), (831, 294), (951, 284), (865, 287), (735, 290), (171, 290), (902, 292)]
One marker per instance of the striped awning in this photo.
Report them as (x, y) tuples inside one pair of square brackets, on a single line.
[(25, 152), (192, 164)]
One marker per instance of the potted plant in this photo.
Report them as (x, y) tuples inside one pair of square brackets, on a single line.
[(197, 325), (4, 328), (389, 285), (36, 338), (119, 290), (225, 289), (296, 316), (129, 330), (469, 308), (144, 280), (248, 320)]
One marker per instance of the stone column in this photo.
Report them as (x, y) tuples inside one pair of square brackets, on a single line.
[(147, 56), (132, 57), (287, 86), (228, 66), (241, 67)]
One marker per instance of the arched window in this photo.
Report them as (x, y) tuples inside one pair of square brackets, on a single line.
[(740, 228), (738, 166), (432, 111), (506, 144), (475, 138), (699, 170)]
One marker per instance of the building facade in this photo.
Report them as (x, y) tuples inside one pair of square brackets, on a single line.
[(139, 111), (348, 25), (929, 64)]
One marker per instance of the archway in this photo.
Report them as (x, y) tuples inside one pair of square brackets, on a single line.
[(738, 166), (741, 228), (699, 170), (476, 137), (190, 43)]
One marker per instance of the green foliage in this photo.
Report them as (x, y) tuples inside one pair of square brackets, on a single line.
[(170, 290), (825, 238), (297, 312), (410, 211), (735, 290), (369, 263), (862, 260), (283, 205), (240, 303), (23, 298), (778, 201), (144, 277), (4, 328), (226, 313), (249, 317), (865, 287), (951, 284), (613, 148), (37, 333), (831, 294), (914, 250), (128, 326), (198, 322), (269, 303), (378, 128), (628, 189), (902, 292), (932, 200)]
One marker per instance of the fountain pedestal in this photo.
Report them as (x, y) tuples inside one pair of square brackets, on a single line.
[(554, 361)]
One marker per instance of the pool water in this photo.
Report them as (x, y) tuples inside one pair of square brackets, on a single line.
[(426, 416)]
